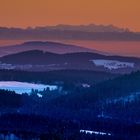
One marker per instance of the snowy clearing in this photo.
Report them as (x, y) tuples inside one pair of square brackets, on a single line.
[(94, 132), (112, 64), (23, 87)]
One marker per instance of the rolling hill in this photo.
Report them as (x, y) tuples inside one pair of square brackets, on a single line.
[(54, 47), (36, 60)]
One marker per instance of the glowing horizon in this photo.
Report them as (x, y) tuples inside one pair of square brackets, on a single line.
[(31, 13)]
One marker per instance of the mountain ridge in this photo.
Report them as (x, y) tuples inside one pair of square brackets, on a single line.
[(50, 46), (37, 59)]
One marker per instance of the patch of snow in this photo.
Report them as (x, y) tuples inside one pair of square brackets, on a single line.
[(8, 136), (85, 85), (23, 87), (39, 95), (94, 132), (104, 116), (112, 64), (130, 98), (51, 65), (65, 63)]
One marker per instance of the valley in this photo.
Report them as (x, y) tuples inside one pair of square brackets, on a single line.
[(69, 70)]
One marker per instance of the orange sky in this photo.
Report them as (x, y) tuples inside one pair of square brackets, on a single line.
[(23, 13)]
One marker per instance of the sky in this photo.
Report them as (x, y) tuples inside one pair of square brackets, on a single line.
[(25, 13)]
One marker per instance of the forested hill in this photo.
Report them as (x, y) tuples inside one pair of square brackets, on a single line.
[(37, 57), (121, 86), (65, 76)]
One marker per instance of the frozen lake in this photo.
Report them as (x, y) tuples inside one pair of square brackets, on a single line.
[(23, 87)]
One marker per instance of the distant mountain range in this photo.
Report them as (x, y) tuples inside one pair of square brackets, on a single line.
[(54, 47), (86, 28), (36, 60), (73, 32)]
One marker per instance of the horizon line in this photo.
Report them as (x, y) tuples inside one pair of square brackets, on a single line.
[(63, 24)]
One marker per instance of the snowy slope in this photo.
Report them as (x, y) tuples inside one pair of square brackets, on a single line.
[(112, 64)]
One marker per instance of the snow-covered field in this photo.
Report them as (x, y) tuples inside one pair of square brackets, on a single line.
[(112, 64), (23, 87)]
